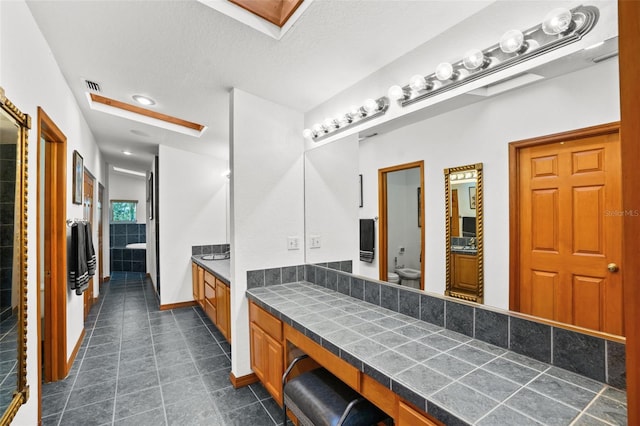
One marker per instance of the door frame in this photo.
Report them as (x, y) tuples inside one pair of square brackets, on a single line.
[(100, 207), (87, 176), (383, 219), (514, 196), (55, 308)]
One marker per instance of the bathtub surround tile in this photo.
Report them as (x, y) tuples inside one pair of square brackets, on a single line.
[(492, 327), (459, 318), (616, 367), (432, 310), (580, 353), (531, 339)]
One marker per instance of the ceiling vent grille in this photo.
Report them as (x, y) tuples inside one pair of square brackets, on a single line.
[(93, 86)]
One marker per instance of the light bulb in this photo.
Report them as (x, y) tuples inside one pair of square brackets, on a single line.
[(307, 133), (444, 71), (557, 21), (345, 119), (474, 59), (329, 123), (417, 83), (318, 129), (355, 112), (512, 41), (371, 106), (396, 93)]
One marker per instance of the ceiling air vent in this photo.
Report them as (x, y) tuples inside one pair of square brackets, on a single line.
[(92, 85)]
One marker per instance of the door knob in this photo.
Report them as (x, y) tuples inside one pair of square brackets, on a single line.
[(612, 267)]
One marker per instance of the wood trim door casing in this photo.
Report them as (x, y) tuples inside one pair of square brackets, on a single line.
[(54, 176), (514, 196), (629, 69), (383, 220)]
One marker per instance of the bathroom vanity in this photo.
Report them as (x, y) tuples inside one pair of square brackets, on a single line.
[(210, 279)]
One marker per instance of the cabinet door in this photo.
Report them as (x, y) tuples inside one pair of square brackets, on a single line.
[(201, 286), (194, 282), (407, 416), (223, 314), (258, 354), (275, 368), (466, 272)]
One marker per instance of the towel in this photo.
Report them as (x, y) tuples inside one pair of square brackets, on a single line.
[(78, 271), (367, 240), (89, 251)]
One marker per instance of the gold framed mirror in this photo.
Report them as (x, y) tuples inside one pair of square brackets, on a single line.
[(14, 127), (463, 194)]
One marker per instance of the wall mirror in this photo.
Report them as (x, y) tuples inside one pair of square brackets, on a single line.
[(14, 126), (463, 190)]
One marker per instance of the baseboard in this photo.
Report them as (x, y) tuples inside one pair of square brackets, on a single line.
[(105, 279), (148, 275), (74, 354), (177, 305), (240, 382)]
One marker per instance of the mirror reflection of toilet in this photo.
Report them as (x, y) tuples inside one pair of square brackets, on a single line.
[(393, 278)]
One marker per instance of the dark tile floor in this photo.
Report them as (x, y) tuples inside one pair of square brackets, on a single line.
[(141, 366)]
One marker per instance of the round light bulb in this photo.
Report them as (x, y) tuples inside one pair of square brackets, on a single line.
[(557, 21), (318, 129), (329, 123), (444, 71), (474, 59), (417, 83), (355, 112), (512, 41), (396, 93), (371, 106), (307, 133)]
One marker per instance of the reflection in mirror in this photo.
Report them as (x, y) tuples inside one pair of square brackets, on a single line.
[(13, 142), (401, 224), (463, 189)]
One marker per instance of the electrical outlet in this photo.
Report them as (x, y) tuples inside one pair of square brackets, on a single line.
[(315, 241), (293, 243)]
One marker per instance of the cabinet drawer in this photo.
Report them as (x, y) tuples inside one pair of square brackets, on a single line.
[(210, 310), (209, 278), (210, 293), (407, 416), (270, 324)]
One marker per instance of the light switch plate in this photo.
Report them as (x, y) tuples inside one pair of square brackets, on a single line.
[(315, 241), (293, 243)]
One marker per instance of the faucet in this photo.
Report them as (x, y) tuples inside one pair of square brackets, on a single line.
[(472, 242)]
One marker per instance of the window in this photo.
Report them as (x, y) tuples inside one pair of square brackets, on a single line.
[(123, 211)]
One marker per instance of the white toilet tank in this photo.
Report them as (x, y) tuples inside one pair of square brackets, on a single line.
[(392, 277)]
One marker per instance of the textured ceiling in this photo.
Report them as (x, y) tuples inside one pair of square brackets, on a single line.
[(187, 56)]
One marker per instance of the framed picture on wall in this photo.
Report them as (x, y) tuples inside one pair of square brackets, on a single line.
[(150, 195), (472, 197), (78, 174)]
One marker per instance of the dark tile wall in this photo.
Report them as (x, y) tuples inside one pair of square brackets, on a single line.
[(593, 357), (131, 260), (121, 234), (7, 207), (210, 249)]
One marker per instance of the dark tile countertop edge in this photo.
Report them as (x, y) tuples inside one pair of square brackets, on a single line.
[(220, 268), (600, 406)]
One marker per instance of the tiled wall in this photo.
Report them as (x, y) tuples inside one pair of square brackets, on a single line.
[(132, 260), (594, 357), (122, 234), (209, 249), (292, 274), (7, 231)]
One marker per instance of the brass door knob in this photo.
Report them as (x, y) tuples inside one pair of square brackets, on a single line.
[(612, 267)]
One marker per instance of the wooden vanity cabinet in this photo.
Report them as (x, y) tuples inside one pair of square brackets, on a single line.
[(197, 277), (223, 314), (465, 273), (267, 353), (210, 300), (407, 416)]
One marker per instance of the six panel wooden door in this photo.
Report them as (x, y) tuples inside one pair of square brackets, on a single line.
[(570, 207)]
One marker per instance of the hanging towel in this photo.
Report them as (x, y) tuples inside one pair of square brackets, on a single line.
[(89, 251), (367, 240), (78, 271)]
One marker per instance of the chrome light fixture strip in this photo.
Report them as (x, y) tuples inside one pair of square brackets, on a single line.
[(383, 103), (588, 15)]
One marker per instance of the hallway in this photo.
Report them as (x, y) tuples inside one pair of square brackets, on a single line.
[(141, 366)]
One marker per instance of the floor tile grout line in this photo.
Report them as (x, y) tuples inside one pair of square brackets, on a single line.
[(115, 397)]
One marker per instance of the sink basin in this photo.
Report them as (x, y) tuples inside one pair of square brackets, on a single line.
[(408, 273), (217, 256)]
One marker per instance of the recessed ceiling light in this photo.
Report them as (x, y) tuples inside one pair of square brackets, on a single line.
[(143, 100), (131, 172), (125, 152)]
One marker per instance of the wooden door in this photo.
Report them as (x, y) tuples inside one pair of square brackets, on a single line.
[(100, 241), (88, 216), (570, 210), (258, 355), (275, 357), (455, 214)]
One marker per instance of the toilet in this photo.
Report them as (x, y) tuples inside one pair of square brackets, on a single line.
[(392, 277)]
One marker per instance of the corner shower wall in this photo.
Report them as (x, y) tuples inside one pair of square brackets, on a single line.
[(7, 229), (123, 258)]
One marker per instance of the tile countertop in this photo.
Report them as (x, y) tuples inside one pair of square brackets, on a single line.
[(219, 268), (456, 379)]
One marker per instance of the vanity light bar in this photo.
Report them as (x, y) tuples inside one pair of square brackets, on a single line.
[(371, 109), (559, 28)]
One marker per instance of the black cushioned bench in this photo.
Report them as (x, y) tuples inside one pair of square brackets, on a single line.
[(318, 398)]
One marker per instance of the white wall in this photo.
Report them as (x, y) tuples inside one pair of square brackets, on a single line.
[(192, 212), (130, 188), (267, 201), (479, 134), (331, 207), (31, 78)]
